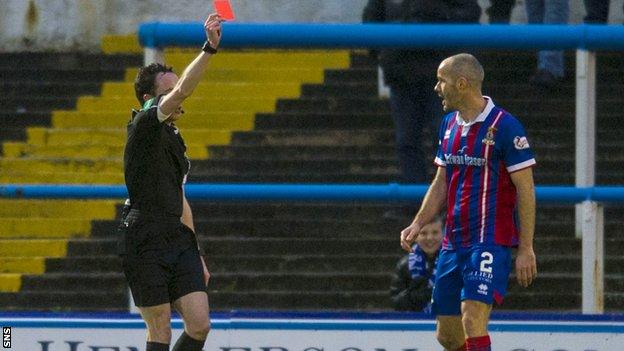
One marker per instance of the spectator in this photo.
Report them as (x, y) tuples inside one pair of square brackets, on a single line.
[(550, 65), (414, 275), (597, 11), (408, 74), (500, 11)]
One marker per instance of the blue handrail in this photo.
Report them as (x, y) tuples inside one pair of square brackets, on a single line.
[(299, 192), (439, 36)]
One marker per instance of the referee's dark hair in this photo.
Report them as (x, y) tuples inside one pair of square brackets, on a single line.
[(145, 82)]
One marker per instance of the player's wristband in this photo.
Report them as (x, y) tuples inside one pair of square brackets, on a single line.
[(209, 49)]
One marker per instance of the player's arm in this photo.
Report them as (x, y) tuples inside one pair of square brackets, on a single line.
[(194, 72), (526, 266), (434, 201)]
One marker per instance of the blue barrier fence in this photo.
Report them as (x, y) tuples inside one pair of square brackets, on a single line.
[(299, 192), (441, 36), (321, 320)]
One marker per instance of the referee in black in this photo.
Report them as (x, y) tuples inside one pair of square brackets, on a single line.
[(160, 255)]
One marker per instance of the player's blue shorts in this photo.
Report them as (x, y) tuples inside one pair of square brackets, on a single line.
[(477, 273)]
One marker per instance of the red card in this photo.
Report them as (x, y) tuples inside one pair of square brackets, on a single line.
[(224, 9)]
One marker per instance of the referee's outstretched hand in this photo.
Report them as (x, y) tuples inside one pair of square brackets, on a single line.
[(212, 27), (409, 235)]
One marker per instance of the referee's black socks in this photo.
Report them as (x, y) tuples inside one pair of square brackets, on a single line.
[(156, 346), (186, 343)]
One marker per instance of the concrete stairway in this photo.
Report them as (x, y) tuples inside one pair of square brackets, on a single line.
[(331, 130), (34, 231)]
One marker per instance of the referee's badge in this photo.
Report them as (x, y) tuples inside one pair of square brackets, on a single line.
[(489, 137)]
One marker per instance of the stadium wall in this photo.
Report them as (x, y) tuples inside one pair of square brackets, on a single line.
[(274, 331), (70, 25)]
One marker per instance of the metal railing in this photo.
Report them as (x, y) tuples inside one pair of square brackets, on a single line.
[(585, 39), (590, 199), (300, 192)]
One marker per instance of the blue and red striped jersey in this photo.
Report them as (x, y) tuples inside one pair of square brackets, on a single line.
[(479, 157)]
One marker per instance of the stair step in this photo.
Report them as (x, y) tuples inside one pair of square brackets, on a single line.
[(365, 177), (308, 300), (325, 152), (59, 89), (70, 74), (254, 75), (12, 133), (300, 281), (321, 105), (565, 89), (33, 247), (98, 264), (58, 208), (75, 282), (572, 263), (116, 137), (294, 178), (556, 301), (370, 137), (528, 59), (310, 226), (544, 300), (553, 106), (361, 59), (40, 228), (353, 75), (356, 89), (220, 103), (380, 300), (319, 262), (269, 246), (564, 282), (322, 121), (42, 60), (345, 165), (108, 301), (302, 228), (257, 59), (387, 245), (21, 265), (27, 119), (62, 177), (300, 152), (230, 264), (61, 164), (289, 210), (356, 210)]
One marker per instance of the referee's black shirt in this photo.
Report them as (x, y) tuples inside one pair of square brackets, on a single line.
[(155, 164)]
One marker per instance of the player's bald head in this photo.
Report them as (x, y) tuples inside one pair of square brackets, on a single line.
[(466, 66)]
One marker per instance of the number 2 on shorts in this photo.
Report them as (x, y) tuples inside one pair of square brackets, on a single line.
[(488, 258)]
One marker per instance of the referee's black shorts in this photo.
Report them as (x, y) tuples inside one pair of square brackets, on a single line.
[(160, 260)]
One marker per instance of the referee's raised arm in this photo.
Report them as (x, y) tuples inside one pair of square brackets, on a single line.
[(195, 70)]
